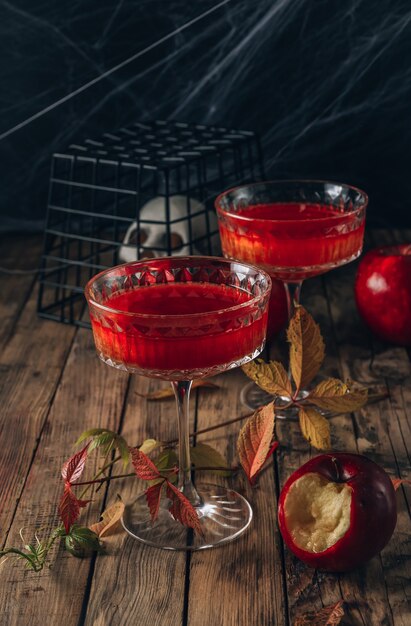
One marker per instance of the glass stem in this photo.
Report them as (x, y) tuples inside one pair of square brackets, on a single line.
[(181, 390), (293, 292)]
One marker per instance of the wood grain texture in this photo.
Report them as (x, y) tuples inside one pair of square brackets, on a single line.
[(31, 365), (240, 583), (89, 394), (16, 253), (52, 387), (133, 583)]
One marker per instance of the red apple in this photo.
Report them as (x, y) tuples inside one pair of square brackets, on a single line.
[(383, 292), (337, 511)]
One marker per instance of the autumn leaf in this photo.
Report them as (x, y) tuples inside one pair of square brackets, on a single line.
[(153, 496), (69, 507), (306, 347), (397, 482), (163, 394), (328, 616), (110, 520), (254, 441), (73, 468), (143, 466), (204, 455), (182, 510), (315, 428), (271, 377), (335, 395)]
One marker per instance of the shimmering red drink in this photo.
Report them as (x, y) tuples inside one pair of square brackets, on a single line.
[(178, 326), (292, 241)]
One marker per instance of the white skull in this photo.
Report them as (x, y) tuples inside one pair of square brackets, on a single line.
[(154, 236)]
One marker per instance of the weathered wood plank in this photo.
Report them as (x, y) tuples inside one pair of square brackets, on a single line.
[(30, 364), (89, 394), (16, 253), (378, 436), (137, 584), (242, 582)]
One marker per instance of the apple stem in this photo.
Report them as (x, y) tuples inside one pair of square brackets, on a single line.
[(337, 469)]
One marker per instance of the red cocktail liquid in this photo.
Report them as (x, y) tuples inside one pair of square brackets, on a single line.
[(292, 241), (196, 330)]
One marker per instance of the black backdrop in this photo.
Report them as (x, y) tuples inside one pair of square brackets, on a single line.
[(326, 83)]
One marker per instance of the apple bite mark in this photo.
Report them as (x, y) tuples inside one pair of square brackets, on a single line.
[(317, 512)]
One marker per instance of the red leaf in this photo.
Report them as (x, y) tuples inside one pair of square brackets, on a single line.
[(73, 468), (397, 482), (182, 510), (143, 466), (254, 441), (328, 616), (153, 495), (69, 507)]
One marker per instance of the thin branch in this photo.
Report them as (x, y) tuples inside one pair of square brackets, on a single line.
[(210, 428), (167, 469)]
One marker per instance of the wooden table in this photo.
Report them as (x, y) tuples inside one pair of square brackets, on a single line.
[(53, 387)]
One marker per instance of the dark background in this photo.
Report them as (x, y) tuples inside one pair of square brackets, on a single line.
[(327, 84)]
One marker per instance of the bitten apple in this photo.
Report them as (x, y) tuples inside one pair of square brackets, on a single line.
[(337, 511), (383, 292)]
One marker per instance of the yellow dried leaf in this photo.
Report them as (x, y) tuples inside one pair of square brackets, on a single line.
[(110, 520), (306, 347), (164, 394), (334, 395), (271, 376), (315, 428), (149, 445), (254, 440)]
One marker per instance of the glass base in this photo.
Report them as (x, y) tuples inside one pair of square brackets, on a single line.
[(252, 396), (224, 515)]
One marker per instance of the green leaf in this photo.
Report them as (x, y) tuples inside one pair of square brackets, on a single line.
[(92, 432), (81, 541), (122, 447), (106, 439), (166, 460), (204, 455)]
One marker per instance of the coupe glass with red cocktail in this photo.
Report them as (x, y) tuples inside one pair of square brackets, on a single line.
[(293, 230), (180, 319)]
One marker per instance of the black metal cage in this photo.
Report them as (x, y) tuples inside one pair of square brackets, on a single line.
[(107, 197)]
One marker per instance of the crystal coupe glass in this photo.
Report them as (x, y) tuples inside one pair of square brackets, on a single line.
[(294, 230), (180, 319)]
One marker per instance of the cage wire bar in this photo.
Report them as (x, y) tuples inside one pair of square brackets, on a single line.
[(98, 190)]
